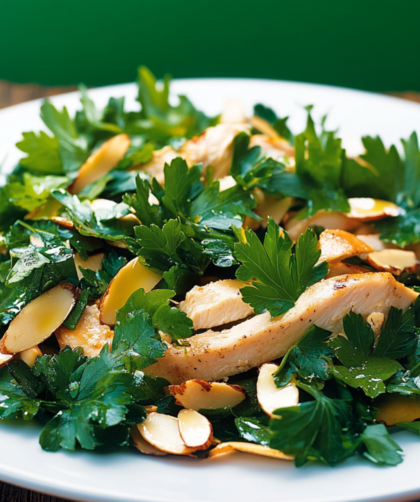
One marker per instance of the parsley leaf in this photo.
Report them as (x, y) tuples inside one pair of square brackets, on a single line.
[(368, 368), (280, 271), (279, 124), (43, 153), (172, 321), (381, 448), (33, 191), (325, 429), (310, 357), (100, 224)]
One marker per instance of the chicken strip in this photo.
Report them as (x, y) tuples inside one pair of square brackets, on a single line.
[(213, 147), (212, 356), (89, 334), (216, 303)]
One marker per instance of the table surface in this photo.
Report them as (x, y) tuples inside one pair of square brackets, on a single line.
[(12, 94)]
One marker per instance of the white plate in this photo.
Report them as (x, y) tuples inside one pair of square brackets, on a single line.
[(128, 476)]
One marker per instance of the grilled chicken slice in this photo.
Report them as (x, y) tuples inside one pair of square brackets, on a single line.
[(155, 167), (337, 245), (89, 334), (212, 356), (213, 147), (215, 304)]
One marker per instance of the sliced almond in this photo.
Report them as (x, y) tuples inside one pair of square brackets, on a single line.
[(394, 409), (142, 445), (150, 408), (367, 209), (200, 395), (274, 147), (103, 160), (196, 431), (342, 268), (226, 182), (162, 432), (393, 260), (255, 449), (376, 320), (30, 356), (328, 220), (36, 241), (129, 278), (49, 209), (39, 319), (273, 207), (269, 396), (5, 358), (337, 245), (63, 222), (89, 334), (375, 242), (93, 262)]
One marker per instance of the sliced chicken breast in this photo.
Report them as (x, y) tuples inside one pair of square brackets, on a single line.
[(212, 356), (216, 303), (213, 147), (89, 334)]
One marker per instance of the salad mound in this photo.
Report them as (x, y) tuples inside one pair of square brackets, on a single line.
[(197, 285)]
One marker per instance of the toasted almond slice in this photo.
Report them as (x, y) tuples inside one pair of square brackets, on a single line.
[(342, 268), (367, 209), (394, 409), (328, 220), (221, 449), (196, 431), (233, 112), (337, 245), (201, 395), (89, 334), (63, 222), (103, 160), (150, 408), (142, 445), (162, 432), (93, 262), (39, 319), (393, 260), (36, 241), (129, 278), (376, 320), (375, 242), (275, 147), (269, 396), (5, 358), (273, 207), (49, 209), (226, 182), (30, 356), (255, 449)]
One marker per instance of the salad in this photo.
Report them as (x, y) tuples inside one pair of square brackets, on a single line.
[(197, 285)]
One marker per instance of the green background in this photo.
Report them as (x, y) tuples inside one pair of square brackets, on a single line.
[(366, 44)]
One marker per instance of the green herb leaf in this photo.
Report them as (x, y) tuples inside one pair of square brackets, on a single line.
[(381, 448), (280, 273)]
